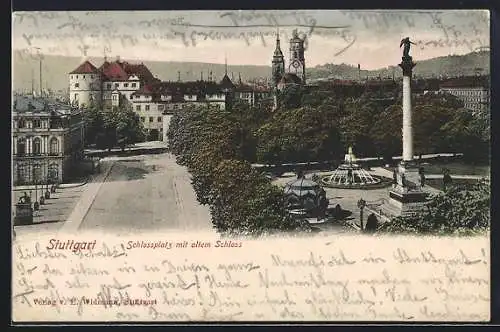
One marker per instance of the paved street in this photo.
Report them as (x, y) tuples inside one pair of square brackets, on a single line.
[(145, 193), (52, 215)]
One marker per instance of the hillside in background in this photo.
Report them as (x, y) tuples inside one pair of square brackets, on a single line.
[(55, 69), (447, 66)]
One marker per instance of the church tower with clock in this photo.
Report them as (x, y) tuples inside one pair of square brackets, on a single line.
[(295, 74), (297, 63)]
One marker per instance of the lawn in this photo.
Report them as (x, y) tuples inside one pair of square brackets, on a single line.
[(457, 168), (438, 183)]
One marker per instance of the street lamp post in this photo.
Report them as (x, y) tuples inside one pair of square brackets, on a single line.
[(47, 192), (36, 205), (361, 206)]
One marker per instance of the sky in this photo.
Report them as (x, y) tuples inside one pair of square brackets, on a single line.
[(370, 38)]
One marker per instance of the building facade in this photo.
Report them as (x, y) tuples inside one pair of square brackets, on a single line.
[(112, 84), (47, 140), (155, 102), (121, 84), (474, 92)]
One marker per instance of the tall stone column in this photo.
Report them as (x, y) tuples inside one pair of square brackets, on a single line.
[(407, 196), (407, 116)]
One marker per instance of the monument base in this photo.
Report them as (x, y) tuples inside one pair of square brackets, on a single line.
[(407, 198), (407, 204), (24, 214)]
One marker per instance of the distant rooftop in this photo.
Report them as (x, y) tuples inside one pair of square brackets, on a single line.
[(24, 104), (466, 82), (85, 68), (116, 70)]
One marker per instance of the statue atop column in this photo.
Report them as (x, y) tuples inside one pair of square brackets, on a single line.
[(407, 64), (407, 44)]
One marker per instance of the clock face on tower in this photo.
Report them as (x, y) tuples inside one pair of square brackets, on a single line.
[(296, 64)]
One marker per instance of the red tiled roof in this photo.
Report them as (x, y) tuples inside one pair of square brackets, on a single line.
[(146, 90), (117, 71), (113, 71), (139, 70), (121, 71), (85, 68)]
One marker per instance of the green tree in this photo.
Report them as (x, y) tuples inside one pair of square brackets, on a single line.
[(245, 202), (214, 145), (462, 209), (298, 135), (94, 125), (356, 123), (129, 128), (118, 127), (386, 133), (290, 96)]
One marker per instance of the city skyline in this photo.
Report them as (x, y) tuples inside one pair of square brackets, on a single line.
[(248, 37)]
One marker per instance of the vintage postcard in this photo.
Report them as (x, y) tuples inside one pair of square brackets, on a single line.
[(251, 166)]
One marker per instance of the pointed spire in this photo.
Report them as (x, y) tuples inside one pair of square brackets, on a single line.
[(277, 51), (239, 79)]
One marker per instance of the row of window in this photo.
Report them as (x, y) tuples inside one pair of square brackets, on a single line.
[(151, 119), (109, 86), (146, 107), (472, 106), (37, 146), (83, 76), (36, 123), (246, 95), (117, 85), (161, 107), (477, 100), (467, 92), (23, 172)]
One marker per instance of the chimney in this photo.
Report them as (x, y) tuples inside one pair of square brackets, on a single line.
[(178, 76)]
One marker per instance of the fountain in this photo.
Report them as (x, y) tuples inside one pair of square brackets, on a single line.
[(350, 175)]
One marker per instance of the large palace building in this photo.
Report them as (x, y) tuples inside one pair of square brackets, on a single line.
[(109, 85), (47, 140), (121, 84)]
